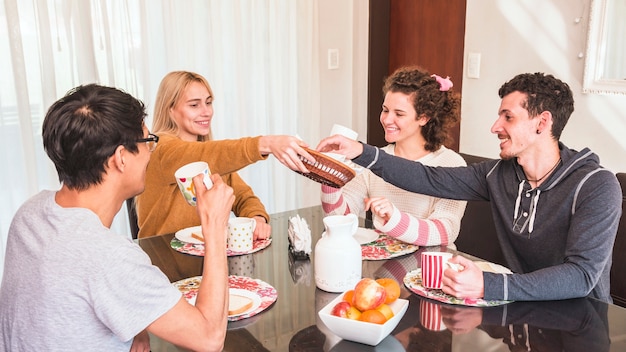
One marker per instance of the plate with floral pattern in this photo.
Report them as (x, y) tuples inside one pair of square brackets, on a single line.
[(386, 247), (413, 281), (198, 249), (268, 294)]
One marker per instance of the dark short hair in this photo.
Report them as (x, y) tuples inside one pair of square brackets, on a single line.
[(441, 107), (543, 93), (83, 129)]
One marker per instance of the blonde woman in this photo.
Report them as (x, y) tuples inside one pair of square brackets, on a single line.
[(182, 119)]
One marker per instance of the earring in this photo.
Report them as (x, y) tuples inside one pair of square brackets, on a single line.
[(538, 132)]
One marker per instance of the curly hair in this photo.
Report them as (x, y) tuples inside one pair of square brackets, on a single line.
[(441, 107), (84, 128), (543, 93)]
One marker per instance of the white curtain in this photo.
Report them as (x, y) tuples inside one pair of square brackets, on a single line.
[(260, 57), (615, 28)]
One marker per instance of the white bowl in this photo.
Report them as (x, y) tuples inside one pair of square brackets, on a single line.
[(360, 331)]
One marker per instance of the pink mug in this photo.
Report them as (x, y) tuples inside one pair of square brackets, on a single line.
[(433, 266), (430, 316)]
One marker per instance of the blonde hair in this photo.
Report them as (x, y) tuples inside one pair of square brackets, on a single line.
[(170, 90)]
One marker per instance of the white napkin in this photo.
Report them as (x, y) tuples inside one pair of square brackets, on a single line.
[(299, 234), (493, 268)]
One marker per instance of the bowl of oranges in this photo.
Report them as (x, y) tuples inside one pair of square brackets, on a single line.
[(366, 314)]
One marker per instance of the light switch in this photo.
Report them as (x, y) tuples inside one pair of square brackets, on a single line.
[(473, 65), (333, 59)]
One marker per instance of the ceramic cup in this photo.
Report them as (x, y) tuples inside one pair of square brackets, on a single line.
[(430, 316), (240, 234), (344, 131), (336, 156), (241, 265), (184, 178), (433, 266)]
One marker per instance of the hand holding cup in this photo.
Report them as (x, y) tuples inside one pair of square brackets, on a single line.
[(186, 173), (433, 266), (214, 204), (465, 283)]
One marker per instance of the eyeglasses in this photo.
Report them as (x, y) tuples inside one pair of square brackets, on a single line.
[(151, 141)]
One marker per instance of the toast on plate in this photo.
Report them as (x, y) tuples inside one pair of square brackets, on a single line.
[(238, 304), (197, 236)]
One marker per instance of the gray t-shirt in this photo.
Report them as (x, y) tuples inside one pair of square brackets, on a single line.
[(72, 284)]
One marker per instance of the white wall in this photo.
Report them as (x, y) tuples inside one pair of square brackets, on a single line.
[(344, 25), (512, 36), (516, 36)]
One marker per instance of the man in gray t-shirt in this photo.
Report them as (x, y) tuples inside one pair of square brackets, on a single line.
[(70, 283)]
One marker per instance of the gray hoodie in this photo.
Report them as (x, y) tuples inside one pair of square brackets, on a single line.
[(557, 238)]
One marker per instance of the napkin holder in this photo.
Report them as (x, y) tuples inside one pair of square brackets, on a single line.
[(300, 269), (299, 238), (297, 255)]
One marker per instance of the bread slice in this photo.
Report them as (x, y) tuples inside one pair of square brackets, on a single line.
[(238, 304), (197, 236)]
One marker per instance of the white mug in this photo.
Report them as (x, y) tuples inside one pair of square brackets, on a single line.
[(184, 178), (240, 234), (344, 131)]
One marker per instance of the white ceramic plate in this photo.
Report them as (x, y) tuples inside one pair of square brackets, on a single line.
[(493, 268), (185, 235), (364, 235), (413, 281), (256, 300), (189, 288)]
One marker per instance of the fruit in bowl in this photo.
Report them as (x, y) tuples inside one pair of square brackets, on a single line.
[(368, 301), (369, 294), (370, 326), (344, 309), (361, 331)]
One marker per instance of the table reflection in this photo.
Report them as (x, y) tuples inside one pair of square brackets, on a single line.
[(292, 323), (568, 325)]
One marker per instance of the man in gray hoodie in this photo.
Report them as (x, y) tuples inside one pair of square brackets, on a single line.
[(556, 210)]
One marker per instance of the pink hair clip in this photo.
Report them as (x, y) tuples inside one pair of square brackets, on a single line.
[(445, 83)]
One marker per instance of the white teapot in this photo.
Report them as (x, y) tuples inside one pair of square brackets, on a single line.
[(337, 257)]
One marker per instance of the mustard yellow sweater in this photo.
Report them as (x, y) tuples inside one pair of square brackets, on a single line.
[(162, 209)]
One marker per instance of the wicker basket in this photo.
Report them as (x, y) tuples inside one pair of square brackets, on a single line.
[(327, 170)]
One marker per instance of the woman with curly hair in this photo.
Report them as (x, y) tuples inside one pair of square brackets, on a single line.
[(417, 113)]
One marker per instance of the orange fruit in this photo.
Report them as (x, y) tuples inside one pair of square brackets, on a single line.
[(392, 287), (349, 297), (353, 313), (373, 316), (386, 310)]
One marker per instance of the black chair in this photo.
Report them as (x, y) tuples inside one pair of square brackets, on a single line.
[(618, 280), (132, 217), (478, 232)]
